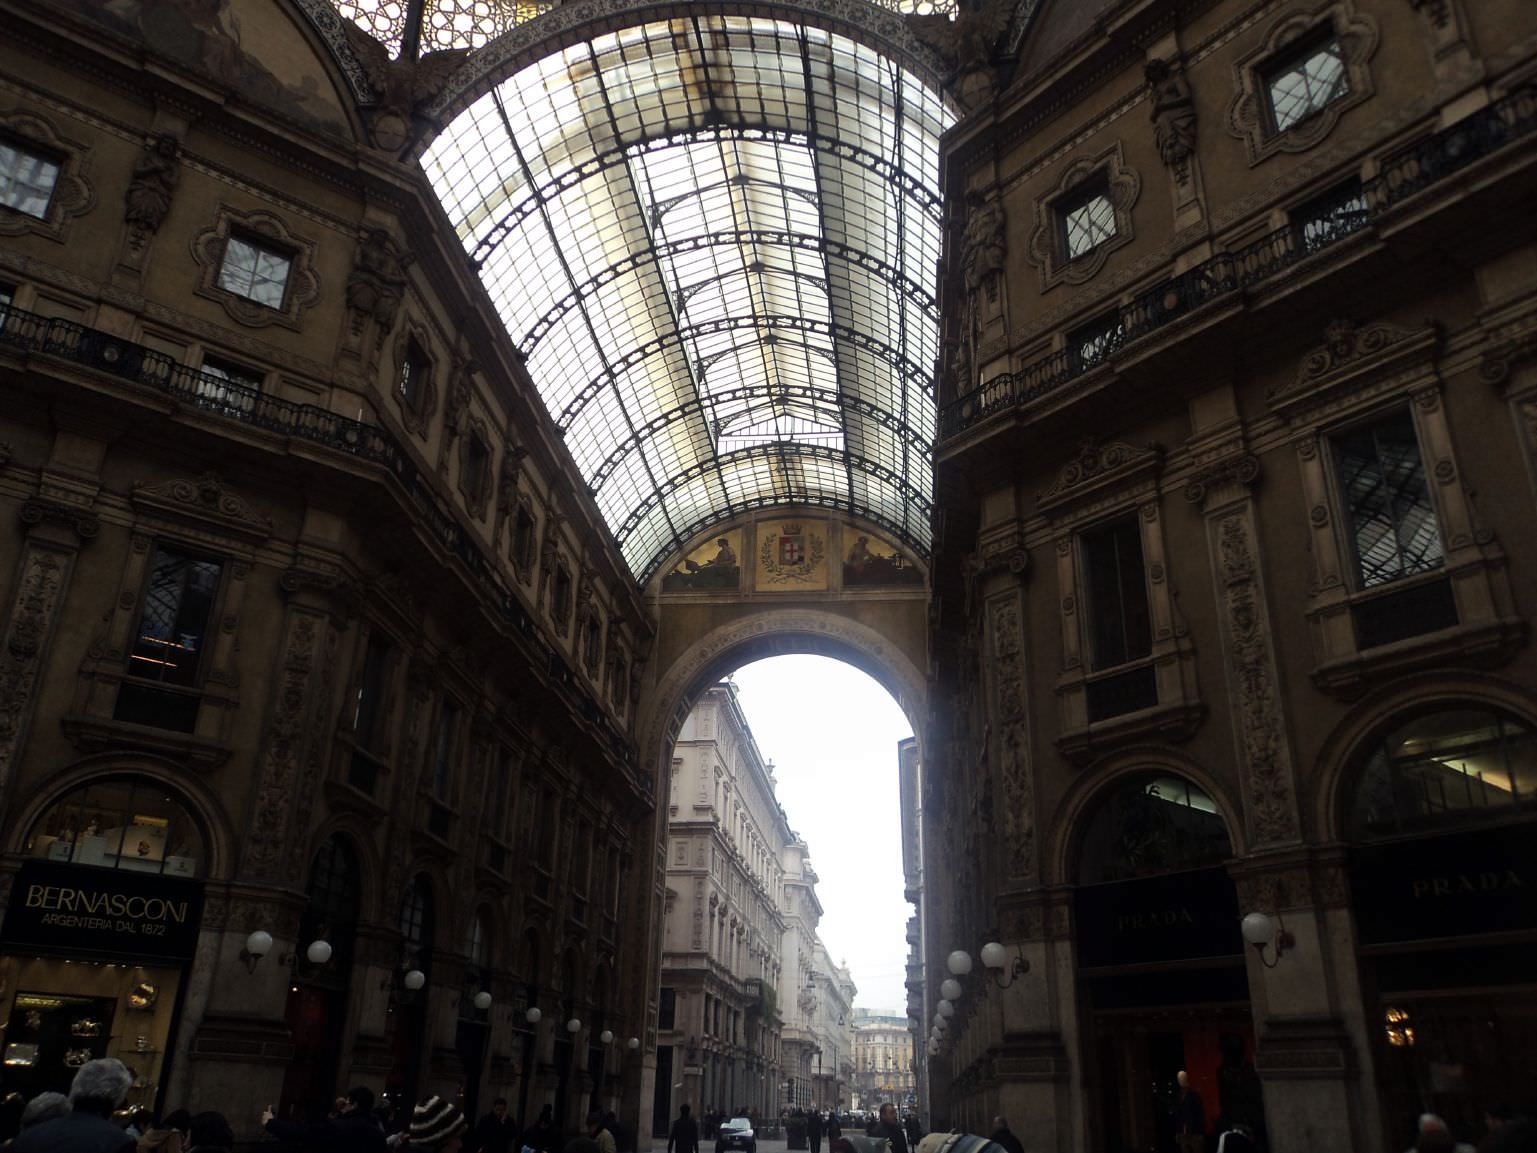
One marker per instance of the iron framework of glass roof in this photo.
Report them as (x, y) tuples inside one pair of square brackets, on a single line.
[(715, 241)]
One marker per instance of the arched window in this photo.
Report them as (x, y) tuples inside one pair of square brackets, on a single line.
[(332, 911), (1445, 768), (416, 922), (122, 822), (1149, 824)]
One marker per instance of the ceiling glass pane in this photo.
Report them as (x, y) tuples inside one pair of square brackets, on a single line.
[(715, 240)]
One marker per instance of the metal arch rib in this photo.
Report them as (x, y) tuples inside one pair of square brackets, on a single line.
[(780, 450), (905, 285), (826, 397), (774, 322), (910, 187)]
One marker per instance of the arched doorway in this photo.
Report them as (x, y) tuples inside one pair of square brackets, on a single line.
[(1440, 807), (1160, 964), (408, 994), (316, 1013)]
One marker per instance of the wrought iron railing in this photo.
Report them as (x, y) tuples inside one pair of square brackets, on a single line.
[(217, 394), (1403, 174)]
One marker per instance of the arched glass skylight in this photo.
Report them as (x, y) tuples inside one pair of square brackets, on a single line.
[(715, 240)]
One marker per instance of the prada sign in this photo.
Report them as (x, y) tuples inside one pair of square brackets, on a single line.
[(1482, 881), (108, 913), (1178, 916)]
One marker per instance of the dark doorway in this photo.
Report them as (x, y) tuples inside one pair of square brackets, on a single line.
[(661, 1098)]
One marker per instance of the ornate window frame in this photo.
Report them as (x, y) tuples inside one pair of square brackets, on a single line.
[(303, 287), (73, 195), (1356, 373), (560, 614), (417, 417), (1104, 483), (475, 489), (1048, 241), (1250, 118), (525, 559)]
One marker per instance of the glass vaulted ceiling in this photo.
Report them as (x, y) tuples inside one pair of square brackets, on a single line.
[(715, 240)]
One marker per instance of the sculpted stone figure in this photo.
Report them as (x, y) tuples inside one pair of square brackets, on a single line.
[(1173, 113), (377, 281), (148, 198)]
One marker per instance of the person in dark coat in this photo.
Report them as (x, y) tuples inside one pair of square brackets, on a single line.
[(543, 1136), (496, 1132), (684, 1137), (98, 1089), (354, 1129), (834, 1128), (887, 1126), (1003, 1136), (814, 1130), (1189, 1118)]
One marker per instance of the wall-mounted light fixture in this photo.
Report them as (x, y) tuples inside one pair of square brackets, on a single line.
[(532, 1015), (633, 1043), (606, 1037), (481, 1000), (257, 945), (414, 979), (573, 1026), (1266, 932), (995, 957)]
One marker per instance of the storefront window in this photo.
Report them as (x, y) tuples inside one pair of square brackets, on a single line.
[(1443, 769), (1152, 824), (127, 823)]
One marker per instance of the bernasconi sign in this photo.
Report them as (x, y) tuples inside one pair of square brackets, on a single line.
[(107, 913)]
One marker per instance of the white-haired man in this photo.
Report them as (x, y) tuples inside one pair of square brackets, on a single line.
[(98, 1089)]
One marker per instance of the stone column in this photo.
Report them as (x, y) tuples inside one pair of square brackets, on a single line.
[(1309, 1055)]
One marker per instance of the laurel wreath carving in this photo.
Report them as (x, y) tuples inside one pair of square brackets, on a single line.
[(784, 574)]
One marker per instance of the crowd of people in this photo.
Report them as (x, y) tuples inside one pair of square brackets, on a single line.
[(91, 1119)]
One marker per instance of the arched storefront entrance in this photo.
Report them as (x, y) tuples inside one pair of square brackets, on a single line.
[(1160, 965), (1439, 805)]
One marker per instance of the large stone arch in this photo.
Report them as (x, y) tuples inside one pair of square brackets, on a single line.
[(757, 633)]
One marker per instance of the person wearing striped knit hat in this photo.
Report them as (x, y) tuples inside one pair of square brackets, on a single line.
[(436, 1127)]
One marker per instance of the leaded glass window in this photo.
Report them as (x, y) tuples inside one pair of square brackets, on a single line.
[(1387, 502), (1447, 767), (255, 271), (1088, 220), (1306, 82), (173, 625), (1149, 824), (1115, 588), (27, 179), (415, 370)]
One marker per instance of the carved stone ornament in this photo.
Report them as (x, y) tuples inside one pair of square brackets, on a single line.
[(1018, 798), (416, 417), (1249, 115), (303, 284), (206, 500), (147, 200), (1271, 805), (1173, 115), (1097, 465), (968, 44), (377, 282), (1241, 469), (46, 510), (1350, 350), (39, 591), (1048, 242), (402, 88), (72, 193)]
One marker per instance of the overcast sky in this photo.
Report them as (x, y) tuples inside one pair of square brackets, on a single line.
[(832, 733)]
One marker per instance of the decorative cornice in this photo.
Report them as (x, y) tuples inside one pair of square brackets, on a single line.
[(40, 510), (206, 500), (1350, 352), (1242, 469), (1097, 466)]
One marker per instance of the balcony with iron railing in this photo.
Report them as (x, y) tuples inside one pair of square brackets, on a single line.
[(45, 338), (1402, 176)]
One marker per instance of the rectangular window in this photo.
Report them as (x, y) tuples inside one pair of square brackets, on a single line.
[(1305, 82), (477, 468), (168, 645), (1392, 524), (1330, 217), (561, 605), (523, 540), (226, 386), (501, 796), (1117, 614), (444, 751), (415, 369), (1093, 342), (255, 271), (667, 1008), (1088, 220), (369, 720), (27, 179)]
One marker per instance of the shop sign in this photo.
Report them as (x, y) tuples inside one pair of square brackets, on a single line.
[(1481, 881), (1175, 917), (110, 913)]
